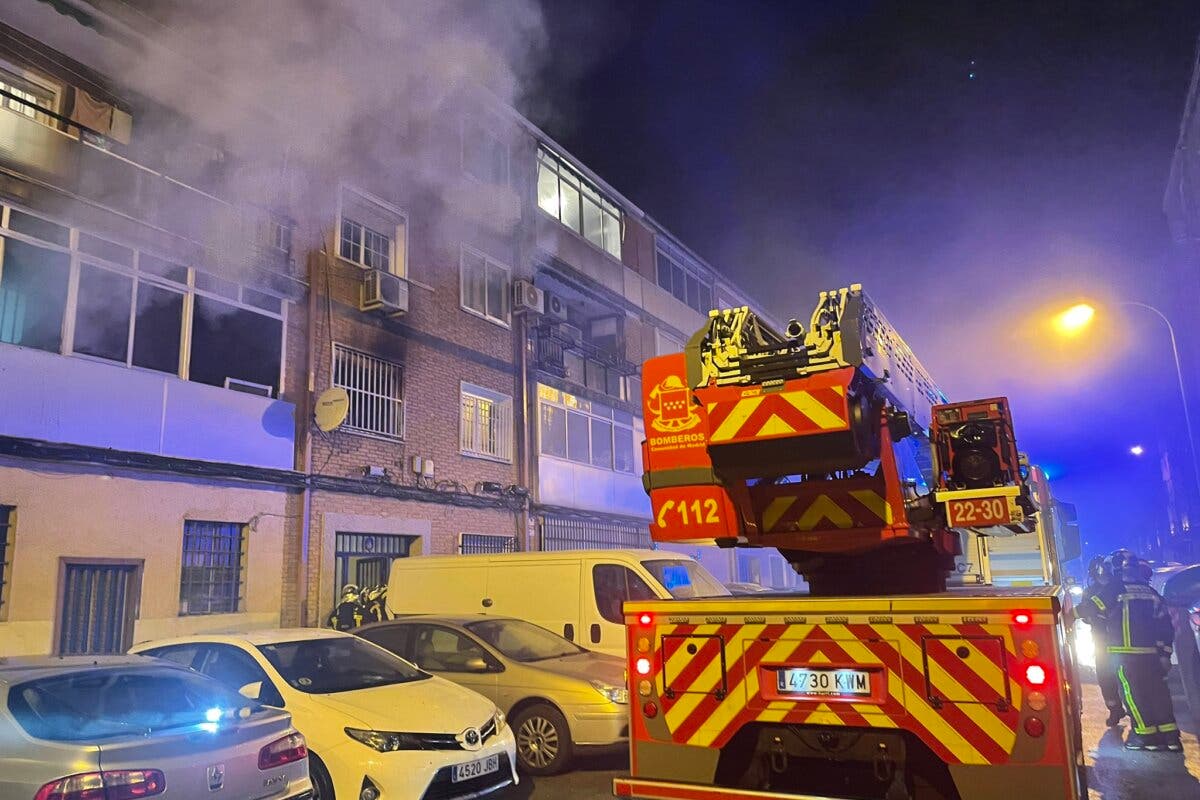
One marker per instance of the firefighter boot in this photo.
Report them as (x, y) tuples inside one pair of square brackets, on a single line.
[(1138, 741), (1115, 715)]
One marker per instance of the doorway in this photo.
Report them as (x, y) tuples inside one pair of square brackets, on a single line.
[(365, 559), (97, 604)]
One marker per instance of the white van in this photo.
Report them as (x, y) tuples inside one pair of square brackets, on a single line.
[(577, 593)]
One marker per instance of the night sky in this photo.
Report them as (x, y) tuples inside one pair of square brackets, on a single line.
[(973, 165)]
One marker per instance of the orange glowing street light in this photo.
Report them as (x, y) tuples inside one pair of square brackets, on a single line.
[(1073, 320)]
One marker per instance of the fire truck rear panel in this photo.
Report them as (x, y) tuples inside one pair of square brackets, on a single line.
[(970, 683)]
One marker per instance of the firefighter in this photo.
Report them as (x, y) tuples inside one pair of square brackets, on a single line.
[(347, 615), (374, 604), (1102, 592), (1140, 633)]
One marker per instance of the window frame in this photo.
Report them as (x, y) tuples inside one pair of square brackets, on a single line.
[(402, 400), (584, 188), (500, 537), (677, 261), (241, 571), (186, 287), (569, 404), (56, 90), (8, 546), (505, 292), (402, 219), (501, 402)]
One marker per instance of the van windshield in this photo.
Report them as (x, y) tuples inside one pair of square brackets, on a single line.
[(684, 578)]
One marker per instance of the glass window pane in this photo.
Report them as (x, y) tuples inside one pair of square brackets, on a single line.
[(623, 449), (614, 383), (102, 313), (569, 199), (554, 430), (350, 245), (497, 284), (706, 300), (38, 228), (612, 235), (161, 268), (693, 292), (664, 272), (221, 286), (596, 376), (156, 330), (678, 284), (102, 248), (229, 342), (574, 364), (33, 295), (473, 278), (547, 189), (593, 222), (602, 444), (577, 437)]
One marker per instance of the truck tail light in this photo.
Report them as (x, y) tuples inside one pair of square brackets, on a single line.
[(1022, 619), (1035, 675), (1035, 727), (283, 751), (645, 618), (118, 784), (642, 666)]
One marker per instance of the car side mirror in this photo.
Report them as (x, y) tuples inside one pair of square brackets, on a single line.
[(477, 665), (251, 691)]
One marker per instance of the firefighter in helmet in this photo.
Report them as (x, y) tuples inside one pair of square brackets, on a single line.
[(1101, 595), (347, 615), (1139, 634)]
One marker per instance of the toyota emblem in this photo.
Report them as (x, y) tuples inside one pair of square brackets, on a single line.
[(471, 738)]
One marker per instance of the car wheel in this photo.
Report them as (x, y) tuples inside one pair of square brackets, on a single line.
[(322, 784), (543, 740)]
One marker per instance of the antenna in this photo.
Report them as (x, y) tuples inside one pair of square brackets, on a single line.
[(332, 407)]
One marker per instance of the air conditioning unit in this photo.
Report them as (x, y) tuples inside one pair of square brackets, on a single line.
[(556, 306), (527, 297), (249, 387), (382, 291), (565, 334)]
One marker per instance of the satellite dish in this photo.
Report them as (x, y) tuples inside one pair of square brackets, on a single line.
[(332, 407)]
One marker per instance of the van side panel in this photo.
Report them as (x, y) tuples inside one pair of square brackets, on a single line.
[(419, 587), (545, 593)]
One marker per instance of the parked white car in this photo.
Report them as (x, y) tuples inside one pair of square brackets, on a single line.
[(376, 725)]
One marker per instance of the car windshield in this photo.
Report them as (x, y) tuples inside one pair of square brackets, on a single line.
[(341, 664), (684, 578), (102, 704), (523, 641)]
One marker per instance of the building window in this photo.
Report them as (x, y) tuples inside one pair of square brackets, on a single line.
[(579, 430), (128, 308), (7, 535), (665, 343), (484, 286), (27, 96), (679, 275), (214, 568), (371, 233), (485, 427), (476, 543), (575, 202), (484, 155), (376, 389)]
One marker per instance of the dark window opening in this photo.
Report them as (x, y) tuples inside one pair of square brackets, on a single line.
[(33, 295), (102, 313), (229, 342), (157, 328)]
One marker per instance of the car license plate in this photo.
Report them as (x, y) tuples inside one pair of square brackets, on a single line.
[(473, 769), (978, 512), (825, 682)]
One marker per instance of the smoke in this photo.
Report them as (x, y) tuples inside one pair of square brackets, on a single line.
[(297, 95)]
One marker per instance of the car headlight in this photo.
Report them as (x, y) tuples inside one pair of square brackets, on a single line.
[(614, 694), (384, 741), (501, 721)]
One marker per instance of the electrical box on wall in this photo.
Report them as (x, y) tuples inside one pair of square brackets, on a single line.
[(422, 466)]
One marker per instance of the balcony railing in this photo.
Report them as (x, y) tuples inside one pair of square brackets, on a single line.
[(77, 162), (583, 363)]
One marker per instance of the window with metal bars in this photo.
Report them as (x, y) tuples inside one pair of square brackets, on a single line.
[(477, 543), (486, 423), (376, 389), (7, 533), (214, 567), (584, 533)]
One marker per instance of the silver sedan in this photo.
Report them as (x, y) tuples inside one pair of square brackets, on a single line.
[(137, 727)]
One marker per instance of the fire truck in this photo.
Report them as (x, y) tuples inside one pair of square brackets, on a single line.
[(830, 442)]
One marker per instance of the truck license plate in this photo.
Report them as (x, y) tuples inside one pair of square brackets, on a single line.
[(978, 512), (801, 680), (473, 769)]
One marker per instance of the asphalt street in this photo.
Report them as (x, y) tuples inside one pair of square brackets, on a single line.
[(1113, 773)]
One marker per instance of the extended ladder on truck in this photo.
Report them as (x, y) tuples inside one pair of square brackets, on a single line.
[(832, 443)]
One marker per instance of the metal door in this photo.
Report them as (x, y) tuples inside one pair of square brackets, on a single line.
[(98, 604)]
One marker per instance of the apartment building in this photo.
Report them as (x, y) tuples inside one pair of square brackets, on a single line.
[(219, 410)]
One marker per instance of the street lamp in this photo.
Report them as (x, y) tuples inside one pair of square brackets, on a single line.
[(1073, 320)]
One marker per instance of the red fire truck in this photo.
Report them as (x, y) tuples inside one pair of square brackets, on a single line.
[(830, 442)]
